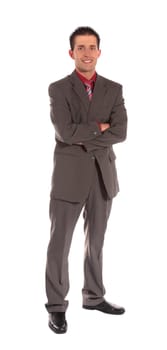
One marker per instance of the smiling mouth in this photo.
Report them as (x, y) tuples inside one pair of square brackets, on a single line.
[(87, 61)]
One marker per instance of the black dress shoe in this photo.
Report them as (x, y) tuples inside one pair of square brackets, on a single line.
[(106, 308), (57, 322)]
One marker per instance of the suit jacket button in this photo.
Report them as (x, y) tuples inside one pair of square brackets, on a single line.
[(95, 132), (93, 157)]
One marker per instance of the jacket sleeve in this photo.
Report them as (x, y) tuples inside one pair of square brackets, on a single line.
[(66, 130), (118, 127)]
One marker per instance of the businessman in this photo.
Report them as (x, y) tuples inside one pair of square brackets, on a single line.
[(89, 117)]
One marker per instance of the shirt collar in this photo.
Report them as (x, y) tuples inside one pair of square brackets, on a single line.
[(85, 80)]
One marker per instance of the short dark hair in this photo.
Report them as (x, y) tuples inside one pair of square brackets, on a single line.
[(83, 31)]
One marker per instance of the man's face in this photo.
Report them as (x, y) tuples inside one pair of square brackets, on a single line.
[(85, 54)]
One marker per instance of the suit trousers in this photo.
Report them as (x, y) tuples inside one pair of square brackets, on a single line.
[(64, 216)]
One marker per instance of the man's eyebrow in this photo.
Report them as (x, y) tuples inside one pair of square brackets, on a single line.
[(82, 45)]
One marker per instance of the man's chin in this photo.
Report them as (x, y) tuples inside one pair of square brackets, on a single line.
[(87, 70)]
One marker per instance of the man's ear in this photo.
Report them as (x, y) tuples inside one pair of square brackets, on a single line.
[(71, 53), (99, 53)]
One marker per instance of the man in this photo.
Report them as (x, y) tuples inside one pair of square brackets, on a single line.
[(89, 116)]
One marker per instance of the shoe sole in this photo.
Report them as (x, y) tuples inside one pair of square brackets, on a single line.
[(95, 308)]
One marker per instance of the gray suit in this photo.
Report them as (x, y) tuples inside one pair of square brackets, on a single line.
[(84, 175)]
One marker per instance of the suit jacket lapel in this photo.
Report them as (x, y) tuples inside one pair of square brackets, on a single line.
[(79, 89), (98, 94), (100, 89)]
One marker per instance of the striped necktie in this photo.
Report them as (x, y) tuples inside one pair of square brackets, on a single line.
[(89, 90)]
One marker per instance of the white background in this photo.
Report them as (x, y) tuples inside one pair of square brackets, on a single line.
[(34, 53)]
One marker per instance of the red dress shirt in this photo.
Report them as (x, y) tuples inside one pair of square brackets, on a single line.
[(91, 81)]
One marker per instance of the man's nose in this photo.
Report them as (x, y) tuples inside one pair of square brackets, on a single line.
[(87, 52)]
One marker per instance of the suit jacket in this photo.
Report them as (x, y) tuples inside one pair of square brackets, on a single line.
[(79, 140)]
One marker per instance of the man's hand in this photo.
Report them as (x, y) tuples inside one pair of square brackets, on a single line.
[(104, 126)]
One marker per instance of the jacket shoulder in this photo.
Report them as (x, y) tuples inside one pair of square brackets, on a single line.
[(61, 83), (110, 83)]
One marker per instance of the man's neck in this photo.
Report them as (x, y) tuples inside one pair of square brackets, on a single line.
[(87, 75)]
